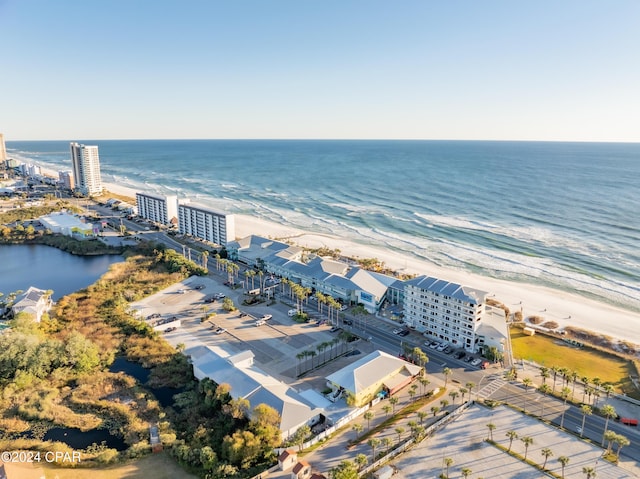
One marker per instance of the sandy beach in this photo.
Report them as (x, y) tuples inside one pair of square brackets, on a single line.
[(565, 308)]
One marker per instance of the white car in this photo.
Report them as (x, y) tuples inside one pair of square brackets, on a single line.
[(441, 347), (220, 330), (292, 312), (266, 317), (397, 331), (260, 322), (476, 362), (579, 430)]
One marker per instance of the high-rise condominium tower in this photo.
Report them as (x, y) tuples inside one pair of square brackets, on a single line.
[(3, 150), (86, 169)]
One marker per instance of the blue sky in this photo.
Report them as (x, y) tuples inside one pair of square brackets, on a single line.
[(503, 70)]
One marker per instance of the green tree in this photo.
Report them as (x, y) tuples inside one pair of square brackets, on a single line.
[(387, 409), (435, 410), (446, 372), (373, 443), (511, 435), (491, 428), (81, 354), (564, 394), (422, 415), (448, 462), (527, 382), (586, 411), (399, 431), (357, 428), (465, 472), (300, 435), (393, 400), (607, 411), (546, 453), (609, 437), (563, 460), (454, 395), (622, 442), (589, 471), (361, 460), (368, 416), (544, 389), (345, 470), (527, 441)]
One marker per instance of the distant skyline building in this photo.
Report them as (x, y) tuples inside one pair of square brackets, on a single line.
[(158, 208), (86, 169), (206, 224), (3, 149), (66, 178)]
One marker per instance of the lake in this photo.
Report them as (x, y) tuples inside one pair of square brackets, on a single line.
[(46, 268)]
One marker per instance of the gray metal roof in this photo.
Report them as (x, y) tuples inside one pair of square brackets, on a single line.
[(454, 290)]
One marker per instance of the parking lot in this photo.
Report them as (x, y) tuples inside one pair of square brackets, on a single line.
[(275, 344), (463, 440)]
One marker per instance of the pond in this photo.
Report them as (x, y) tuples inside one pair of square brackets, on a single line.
[(77, 439), (164, 395), (46, 267)]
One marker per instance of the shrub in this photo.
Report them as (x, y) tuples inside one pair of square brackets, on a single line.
[(535, 319)]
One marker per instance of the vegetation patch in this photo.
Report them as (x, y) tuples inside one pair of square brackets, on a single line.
[(586, 362)]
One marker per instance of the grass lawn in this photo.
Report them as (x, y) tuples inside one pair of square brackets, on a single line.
[(588, 362), (156, 466)]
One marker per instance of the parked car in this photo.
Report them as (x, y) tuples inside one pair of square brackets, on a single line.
[(266, 317), (220, 296), (335, 329), (476, 362), (404, 332), (460, 355), (169, 330), (154, 316), (220, 330), (343, 307), (292, 312), (434, 344), (347, 322), (468, 359), (198, 287), (441, 347), (260, 322), (181, 291), (397, 331), (242, 314)]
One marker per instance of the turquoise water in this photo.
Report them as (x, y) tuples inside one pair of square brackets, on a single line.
[(565, 215)]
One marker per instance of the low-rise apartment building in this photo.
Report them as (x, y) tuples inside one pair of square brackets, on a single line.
[(446, 311)]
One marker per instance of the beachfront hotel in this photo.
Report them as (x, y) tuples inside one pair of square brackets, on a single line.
[(3, 149), (157, 208), (206, 224), (86, 169), (445, 311)]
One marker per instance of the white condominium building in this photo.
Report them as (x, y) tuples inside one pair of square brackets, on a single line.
[(157, 208), (206, 224), (66, 179), (86, 169), (3, 149), (445, 311)]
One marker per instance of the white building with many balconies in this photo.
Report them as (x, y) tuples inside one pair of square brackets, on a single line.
[(158, 208), (448, 312), (207, 224)]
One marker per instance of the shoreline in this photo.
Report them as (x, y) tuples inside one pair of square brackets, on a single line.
[(565, 308)]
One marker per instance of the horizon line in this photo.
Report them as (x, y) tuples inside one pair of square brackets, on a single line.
[(341, 139)]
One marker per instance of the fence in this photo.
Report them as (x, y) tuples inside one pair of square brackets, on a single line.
[(409, 442)]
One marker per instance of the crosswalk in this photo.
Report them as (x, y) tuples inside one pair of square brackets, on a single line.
[(491, 387)]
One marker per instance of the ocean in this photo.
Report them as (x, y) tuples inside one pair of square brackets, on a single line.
[(562, 215)]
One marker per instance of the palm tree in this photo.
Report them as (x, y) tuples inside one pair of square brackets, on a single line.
[(470, 385), (422, 415), (527, 382), (544, 389), (465, 472), (511, 435), (590, 472), (622, 441), (462, 392), (563, 460), (299, 357), (205, 259), (424, 382), (564, 394), (574, 378), (491, 427), (544, 372), (554, 370), (607, 411), (453, 395), (608, 389), (435, 410), (610, 436), (585, 383), (448, 462), (369, 415), (387, 442), (357, 428), (387, 409), (547, 453), (447, 372), (444, 403), (373, 443), (399, 431), (586, 411), (312, 354), (361, 460), (527, 441), (393, 400), (413, 389)]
